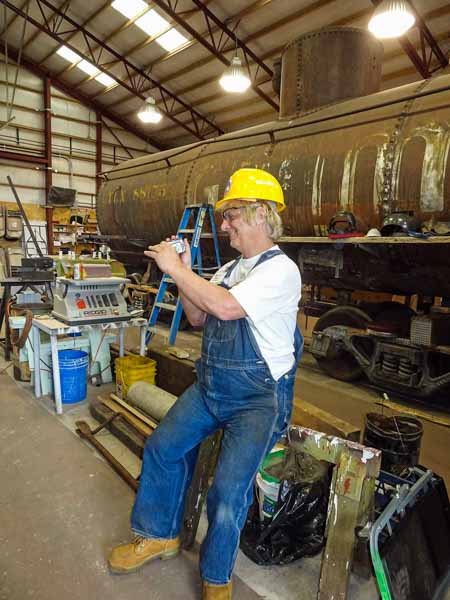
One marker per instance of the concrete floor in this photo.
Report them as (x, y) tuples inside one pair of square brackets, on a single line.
[(62, 508)]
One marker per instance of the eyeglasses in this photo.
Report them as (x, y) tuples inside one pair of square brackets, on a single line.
[(228, 215)]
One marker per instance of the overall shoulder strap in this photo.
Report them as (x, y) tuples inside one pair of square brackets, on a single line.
[(268, 255)]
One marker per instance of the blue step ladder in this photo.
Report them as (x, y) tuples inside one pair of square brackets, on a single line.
[(196, 213)]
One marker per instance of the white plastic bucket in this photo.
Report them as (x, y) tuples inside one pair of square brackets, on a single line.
[(268, 496), (268, 487)]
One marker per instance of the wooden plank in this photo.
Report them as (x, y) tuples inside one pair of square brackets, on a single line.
[(308, 415), (52, 323), (135, 421), (135, 411)]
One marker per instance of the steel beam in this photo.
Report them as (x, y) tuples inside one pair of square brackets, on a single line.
[(215, 48), (136, 75), (26, 158), (48, 155), (298, 15), (65, 89)]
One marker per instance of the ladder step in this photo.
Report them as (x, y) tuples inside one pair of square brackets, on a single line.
[(166, 306), (167, 279), (206, 235), (186, 231)]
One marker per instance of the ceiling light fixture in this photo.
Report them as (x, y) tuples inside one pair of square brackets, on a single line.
[(234, 78), (391, 19), (148, 112)]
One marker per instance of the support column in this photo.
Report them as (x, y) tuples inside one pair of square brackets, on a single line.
[(98, 153), (48, 156)]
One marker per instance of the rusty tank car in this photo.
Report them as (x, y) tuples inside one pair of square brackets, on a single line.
[(339, 145)]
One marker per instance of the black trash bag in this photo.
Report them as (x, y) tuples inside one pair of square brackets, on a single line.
[(297, 528)]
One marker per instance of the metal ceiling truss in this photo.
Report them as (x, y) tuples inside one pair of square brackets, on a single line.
[(429, 47), (201, 125), (215, 44), (185, 14), (66, 89)]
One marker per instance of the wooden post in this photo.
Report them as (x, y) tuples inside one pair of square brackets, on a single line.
[(350, 501)]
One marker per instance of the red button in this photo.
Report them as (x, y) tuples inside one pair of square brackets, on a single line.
[(81, 304)]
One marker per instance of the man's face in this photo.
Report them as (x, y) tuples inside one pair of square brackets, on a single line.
[(234, 224)]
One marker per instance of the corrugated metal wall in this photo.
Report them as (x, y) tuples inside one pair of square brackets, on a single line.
[(73, 141)]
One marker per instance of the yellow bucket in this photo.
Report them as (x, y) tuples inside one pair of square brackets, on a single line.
[(132, 368)]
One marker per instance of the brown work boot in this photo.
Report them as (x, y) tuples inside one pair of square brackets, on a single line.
[(130, 557), (216, 592)]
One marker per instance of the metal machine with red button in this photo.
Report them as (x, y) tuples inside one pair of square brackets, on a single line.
[(93, 300)]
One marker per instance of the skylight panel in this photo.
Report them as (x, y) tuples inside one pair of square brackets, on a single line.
[(88, 68), (129, 8), (152, 23), (68, 54), (171, 40), (105, 80)]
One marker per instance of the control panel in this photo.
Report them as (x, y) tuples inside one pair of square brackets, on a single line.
[(95, 300)]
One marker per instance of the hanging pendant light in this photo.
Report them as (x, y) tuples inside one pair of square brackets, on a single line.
[(234, 78), (148, 113), (391, 19)]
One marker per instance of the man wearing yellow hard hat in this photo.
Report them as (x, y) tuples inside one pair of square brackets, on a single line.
[(250, 353)]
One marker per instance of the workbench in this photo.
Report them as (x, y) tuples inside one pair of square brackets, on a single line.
[(53, 328)]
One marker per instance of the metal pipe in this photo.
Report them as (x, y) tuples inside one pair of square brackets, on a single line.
[(48, 155), (24, 215)]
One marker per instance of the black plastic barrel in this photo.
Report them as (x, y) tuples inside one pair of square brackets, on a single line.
[(398, 438)]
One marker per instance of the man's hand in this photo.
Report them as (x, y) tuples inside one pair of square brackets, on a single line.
[(165, 256), (158, 255)]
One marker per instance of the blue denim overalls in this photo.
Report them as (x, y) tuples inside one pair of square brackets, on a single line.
[(235, 391)]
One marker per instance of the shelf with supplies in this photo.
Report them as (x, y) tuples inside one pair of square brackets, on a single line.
[(75, 234)]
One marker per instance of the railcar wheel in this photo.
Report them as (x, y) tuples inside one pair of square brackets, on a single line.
[(339, 363)]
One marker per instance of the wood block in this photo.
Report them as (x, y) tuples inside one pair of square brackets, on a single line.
[(308, 415)]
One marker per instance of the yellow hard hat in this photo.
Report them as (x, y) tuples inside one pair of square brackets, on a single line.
[(253, 185)]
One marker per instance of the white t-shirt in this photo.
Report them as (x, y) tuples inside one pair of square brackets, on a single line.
[(269, 294)]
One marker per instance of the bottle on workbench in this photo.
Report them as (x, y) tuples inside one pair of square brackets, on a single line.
[(78, 271)]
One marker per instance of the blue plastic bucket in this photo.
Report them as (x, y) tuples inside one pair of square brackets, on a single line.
[(73, 373)]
